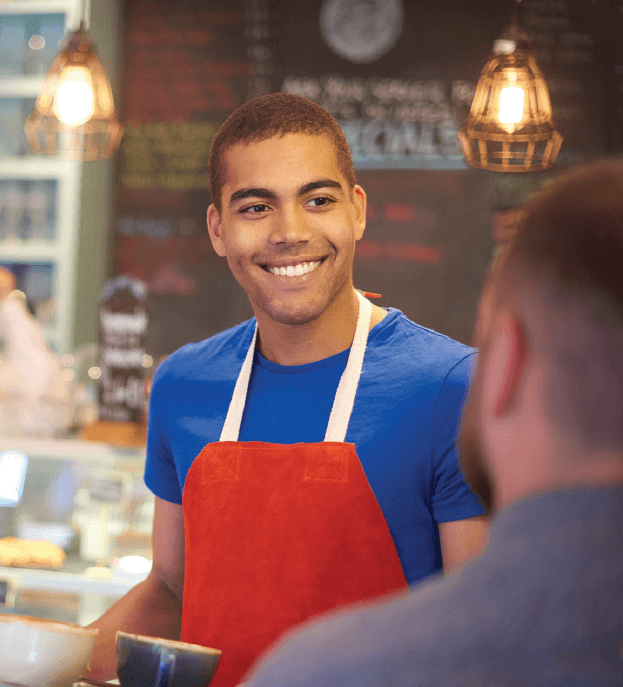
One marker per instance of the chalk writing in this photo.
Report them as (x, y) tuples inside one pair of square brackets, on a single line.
[(553, 36), (171, 155), (388, 120), (258, 35), (174, 61)]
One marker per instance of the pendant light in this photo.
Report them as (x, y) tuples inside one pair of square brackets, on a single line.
[(74, 115), (510, 127)]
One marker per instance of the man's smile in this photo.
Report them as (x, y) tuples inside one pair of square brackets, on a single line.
[(293, 269)]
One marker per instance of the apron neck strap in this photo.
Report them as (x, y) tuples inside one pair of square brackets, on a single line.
[(347, 388), (344, 398), (231, 428)]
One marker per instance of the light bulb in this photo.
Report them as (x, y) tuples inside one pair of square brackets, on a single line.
[(74, 102), (511, 105)]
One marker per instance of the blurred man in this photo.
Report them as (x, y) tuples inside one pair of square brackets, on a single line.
[(542, 444)]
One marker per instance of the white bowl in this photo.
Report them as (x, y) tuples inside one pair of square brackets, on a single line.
[(35, 652)]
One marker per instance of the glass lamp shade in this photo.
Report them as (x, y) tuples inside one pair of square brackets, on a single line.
[(74, 115), (510, 126)]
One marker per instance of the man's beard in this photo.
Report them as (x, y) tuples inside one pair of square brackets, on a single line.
[(470, 451)]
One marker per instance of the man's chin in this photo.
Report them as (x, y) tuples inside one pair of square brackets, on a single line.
[(291, 318), (294, 313)]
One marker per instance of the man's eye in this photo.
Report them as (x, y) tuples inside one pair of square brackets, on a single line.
[(254, 209), (319, 202)]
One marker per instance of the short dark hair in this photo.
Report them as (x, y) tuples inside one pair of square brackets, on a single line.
[(566, 264), (270, 116)]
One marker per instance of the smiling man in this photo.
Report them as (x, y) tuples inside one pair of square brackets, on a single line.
[(303, 460)]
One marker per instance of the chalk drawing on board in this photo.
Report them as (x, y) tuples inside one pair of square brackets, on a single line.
[(361, 32)]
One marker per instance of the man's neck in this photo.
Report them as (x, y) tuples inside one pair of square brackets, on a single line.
[(327, 335), (565, 471)]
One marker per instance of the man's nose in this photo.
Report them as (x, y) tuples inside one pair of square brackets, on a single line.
[(290, 226)]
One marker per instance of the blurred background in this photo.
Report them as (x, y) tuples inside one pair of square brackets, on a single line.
[(399, 76)]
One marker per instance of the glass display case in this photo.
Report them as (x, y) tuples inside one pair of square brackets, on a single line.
[(87, 500), (55, 215)]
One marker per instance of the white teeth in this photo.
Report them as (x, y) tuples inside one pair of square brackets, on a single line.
[(295, 270)]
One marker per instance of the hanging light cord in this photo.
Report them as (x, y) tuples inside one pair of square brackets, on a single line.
[(514, 16), (83, 21)]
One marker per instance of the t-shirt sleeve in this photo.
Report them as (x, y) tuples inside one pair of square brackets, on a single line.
[(451, 497), (161, 476)]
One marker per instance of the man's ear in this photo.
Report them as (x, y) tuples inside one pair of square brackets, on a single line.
[(360, 203), (508, 356), (215, 230)]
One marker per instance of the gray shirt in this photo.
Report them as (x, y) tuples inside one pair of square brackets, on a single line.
[(543, 605)]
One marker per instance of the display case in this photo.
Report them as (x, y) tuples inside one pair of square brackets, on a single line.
[(88, 500), (55, 215)]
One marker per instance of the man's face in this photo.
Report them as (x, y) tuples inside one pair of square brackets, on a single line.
[(288, 225)]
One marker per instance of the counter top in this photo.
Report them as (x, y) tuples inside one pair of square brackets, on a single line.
[(71, 449)]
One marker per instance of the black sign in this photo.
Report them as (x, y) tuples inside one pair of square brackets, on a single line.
[(123, 331)]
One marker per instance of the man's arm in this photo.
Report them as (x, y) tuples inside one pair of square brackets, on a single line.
[(462, 540), (153, 607)]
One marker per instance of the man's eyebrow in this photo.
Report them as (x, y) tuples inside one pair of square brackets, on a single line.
[(242, 193), (321, 183), (260, 192)]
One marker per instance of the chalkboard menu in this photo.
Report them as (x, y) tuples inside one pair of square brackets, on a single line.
[(399, 76)]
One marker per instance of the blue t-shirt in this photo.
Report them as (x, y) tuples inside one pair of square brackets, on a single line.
[(403, 425)]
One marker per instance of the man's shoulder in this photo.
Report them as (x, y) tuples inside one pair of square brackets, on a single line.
[(397, 337), (398, 637), (229, 347)]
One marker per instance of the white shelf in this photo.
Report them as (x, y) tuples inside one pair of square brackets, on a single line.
[(73, 583), (72, 8), (20, 86), (106, 455), (28, 251), (38, 167)]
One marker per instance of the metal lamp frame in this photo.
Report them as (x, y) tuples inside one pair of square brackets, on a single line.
[(527, 146), (96, 139)]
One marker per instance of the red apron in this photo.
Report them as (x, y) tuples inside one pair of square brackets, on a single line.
[(277, 533)]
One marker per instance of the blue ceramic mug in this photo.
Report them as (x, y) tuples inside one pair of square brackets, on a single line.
[(154, 662)]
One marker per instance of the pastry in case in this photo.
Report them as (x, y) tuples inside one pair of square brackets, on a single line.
[(30, 553)]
